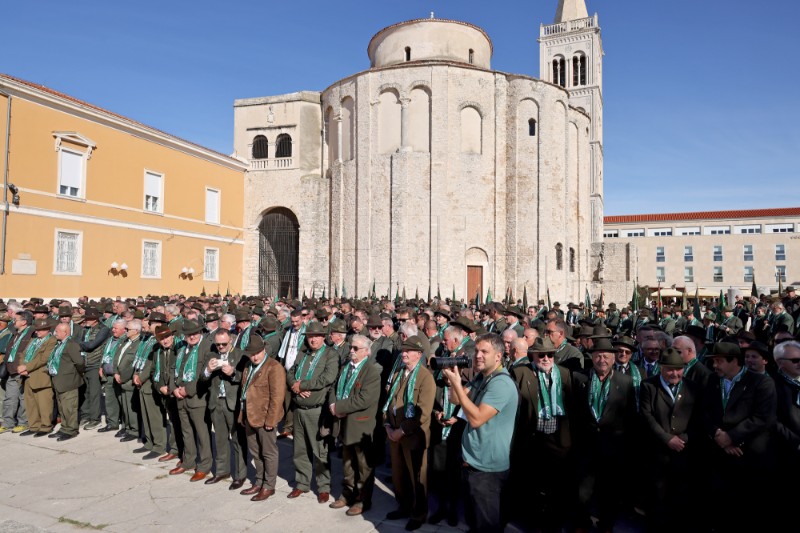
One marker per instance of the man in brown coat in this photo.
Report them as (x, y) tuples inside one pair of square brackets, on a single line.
[(262, 393), (407, 415), (353, 400), (38, 388), (66, 366)]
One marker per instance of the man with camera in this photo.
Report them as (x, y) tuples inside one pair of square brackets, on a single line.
[(489, 404)]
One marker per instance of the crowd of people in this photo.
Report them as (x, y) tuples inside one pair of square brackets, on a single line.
[(498, 413)]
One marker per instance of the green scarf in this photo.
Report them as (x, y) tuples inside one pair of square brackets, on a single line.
[(142, 351), (409, 396), (245, 337), (111, 345), (551, 402), (157, 374), (13, 354), (250, 373), (347, 379), (33, 346), (598, 394), (727, 394), (190, 368), (54, 361), (299, 370)]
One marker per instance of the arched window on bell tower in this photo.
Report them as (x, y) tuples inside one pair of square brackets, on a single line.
[(579, 70), (560, 71)]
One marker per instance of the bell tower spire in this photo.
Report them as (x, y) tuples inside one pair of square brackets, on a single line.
[(570, 10), (571, 55)]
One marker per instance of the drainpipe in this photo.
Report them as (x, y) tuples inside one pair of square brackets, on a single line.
[(5, 185)]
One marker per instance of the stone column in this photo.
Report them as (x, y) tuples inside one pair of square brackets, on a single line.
[(405, 133), (339, 138)]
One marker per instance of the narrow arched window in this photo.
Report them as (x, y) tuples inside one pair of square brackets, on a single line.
[(572, 259), (260, 146), (532, 127), (559, 256), (283, 145), (579, 70), (560, 71), (471, 56), (408, 53)]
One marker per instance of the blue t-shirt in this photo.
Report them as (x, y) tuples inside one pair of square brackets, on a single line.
[(488, 448)]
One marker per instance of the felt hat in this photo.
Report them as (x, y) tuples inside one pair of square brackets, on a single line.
[(464, 323), (603, 344), (670, 358), (725, 349), (269, 324), (542, 345), (625, 341), (315, 328), (413, 343), (42, 323), (254, 345), (163, 331), (191, 327)]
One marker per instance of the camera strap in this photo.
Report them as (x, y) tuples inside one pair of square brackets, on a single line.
[(481, 390)]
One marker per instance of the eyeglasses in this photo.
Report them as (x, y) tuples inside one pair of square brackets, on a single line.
[(221, 344), (793, 360), (356, 348), (545, 355)]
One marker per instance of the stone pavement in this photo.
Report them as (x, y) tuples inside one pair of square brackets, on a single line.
[(95, 482)]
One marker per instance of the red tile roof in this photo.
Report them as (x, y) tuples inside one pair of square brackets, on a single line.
[(705, 215), (106, 111)]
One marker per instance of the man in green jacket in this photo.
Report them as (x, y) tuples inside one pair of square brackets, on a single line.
[(66, 366)]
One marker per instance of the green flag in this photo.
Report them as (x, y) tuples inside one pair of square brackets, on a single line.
[(489, 295), (635, 298), (304, 295), (478, 298), (416, 293), (780, 284), (696, 310), (429, 293), (684, 304), (549, 304), (373, 288), (525, 297), (754, 289), (344, 291), (336, 291), (454, 293), (404, 294), (323, 293), (397, 293), (587, 301)]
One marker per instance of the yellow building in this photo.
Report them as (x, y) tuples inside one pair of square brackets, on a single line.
[(97, 204)]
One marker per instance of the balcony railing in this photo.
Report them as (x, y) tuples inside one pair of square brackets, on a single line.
[(568, 26), (271, 164)]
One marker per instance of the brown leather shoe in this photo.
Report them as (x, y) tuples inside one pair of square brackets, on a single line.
[(262, 495), (167, 457), (355, 510), (237, 484), (177, 470), (323, 497), (295, 493), (216, 479), (338, 504), (249, 492), (199, 476)]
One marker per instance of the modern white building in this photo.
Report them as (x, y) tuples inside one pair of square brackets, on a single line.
[(713, 249), (429, 170)]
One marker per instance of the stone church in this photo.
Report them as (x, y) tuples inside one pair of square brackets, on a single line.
[(428, 170)]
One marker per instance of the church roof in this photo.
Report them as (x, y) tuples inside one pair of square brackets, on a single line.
[(705, 215), (570, 10)]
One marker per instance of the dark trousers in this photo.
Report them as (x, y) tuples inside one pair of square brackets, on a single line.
[(263, 446), (229, 438), (410, 478), (174, 435), (445, 470), (288, 412), (92, 392), (483, 492), (194, 426), (153, 421), (359, 474), (68, 407)]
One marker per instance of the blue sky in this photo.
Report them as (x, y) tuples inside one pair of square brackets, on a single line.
[(701, 111)]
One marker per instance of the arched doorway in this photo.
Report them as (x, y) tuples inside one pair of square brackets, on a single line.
[(278, 247)]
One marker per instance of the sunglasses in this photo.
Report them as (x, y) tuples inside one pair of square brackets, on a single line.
[(545, 355), (794, 360), (221, 343)]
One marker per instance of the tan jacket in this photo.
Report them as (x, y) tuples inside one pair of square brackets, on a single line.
[(265, 395), (38, 378), (418, 427)]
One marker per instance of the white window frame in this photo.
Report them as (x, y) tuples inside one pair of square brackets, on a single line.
[(780, 271), (609, 234), (160, 209), (73, 138), (660, 254), (688, 274), (780, 228), (717, 257), (748, 229), (780, 255), (747, 256), (748, 277), (633, 232), (82, 178), (216, 267), (688, 254), (688, 230), (157, 275), (79, 255), (717, 230), (659, 232), (219, 205), (661, 274), (718, 274)]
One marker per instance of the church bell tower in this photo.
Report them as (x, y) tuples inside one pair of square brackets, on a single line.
[(571, 55)]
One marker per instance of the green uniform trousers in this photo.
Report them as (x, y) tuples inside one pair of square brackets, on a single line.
[(310, 450), (68, 408), (193, 426), (129, 400), (153, 421), (229, 438), (112, 402)]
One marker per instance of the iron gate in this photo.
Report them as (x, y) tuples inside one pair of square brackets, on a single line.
[(279, 246)]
